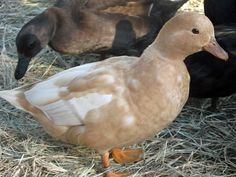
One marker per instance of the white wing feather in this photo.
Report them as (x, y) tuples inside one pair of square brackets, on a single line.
[(46, 96)]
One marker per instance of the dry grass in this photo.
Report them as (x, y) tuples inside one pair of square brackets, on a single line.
[(198, 143)]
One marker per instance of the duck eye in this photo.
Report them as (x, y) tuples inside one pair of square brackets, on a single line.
[(31, 44), (195, 31)]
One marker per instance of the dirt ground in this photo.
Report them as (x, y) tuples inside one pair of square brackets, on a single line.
[(198, 144)]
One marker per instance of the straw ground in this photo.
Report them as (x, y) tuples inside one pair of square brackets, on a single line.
[(197, 144)]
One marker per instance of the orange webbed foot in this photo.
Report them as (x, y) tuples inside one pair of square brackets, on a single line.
[(117, 174), (106, 164), (126, 156)]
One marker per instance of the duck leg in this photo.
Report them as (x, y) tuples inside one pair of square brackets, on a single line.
[(213, 107), (106, 164), (214, 102), (126, 156)]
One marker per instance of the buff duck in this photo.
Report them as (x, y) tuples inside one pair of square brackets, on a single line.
[(123, 100), (101, 26)]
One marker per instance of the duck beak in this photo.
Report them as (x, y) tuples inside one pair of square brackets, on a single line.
[(21, 67), (215, 49)]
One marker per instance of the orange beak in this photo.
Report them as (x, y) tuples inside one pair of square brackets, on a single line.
[(215, 49)]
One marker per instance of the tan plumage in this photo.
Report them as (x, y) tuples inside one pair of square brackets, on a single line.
[(122, 100)]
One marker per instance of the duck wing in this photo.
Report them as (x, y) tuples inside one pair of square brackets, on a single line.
[(68, 97)]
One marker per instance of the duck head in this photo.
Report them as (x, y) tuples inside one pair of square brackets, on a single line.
[(31, 39), (186, 34)]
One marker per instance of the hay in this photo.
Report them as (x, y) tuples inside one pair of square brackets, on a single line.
[(197, 144)]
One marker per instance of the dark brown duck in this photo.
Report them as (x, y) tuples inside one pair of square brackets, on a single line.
[(101, 26)]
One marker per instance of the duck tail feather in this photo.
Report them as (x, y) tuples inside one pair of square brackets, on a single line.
[(15, 96)]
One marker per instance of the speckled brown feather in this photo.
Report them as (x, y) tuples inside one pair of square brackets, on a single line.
[(131, 9)]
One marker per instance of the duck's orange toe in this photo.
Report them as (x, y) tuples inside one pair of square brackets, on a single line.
[(117, 174), (126, 156)]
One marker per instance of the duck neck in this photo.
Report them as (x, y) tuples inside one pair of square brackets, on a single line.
[(159, 50), (51, 19)]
